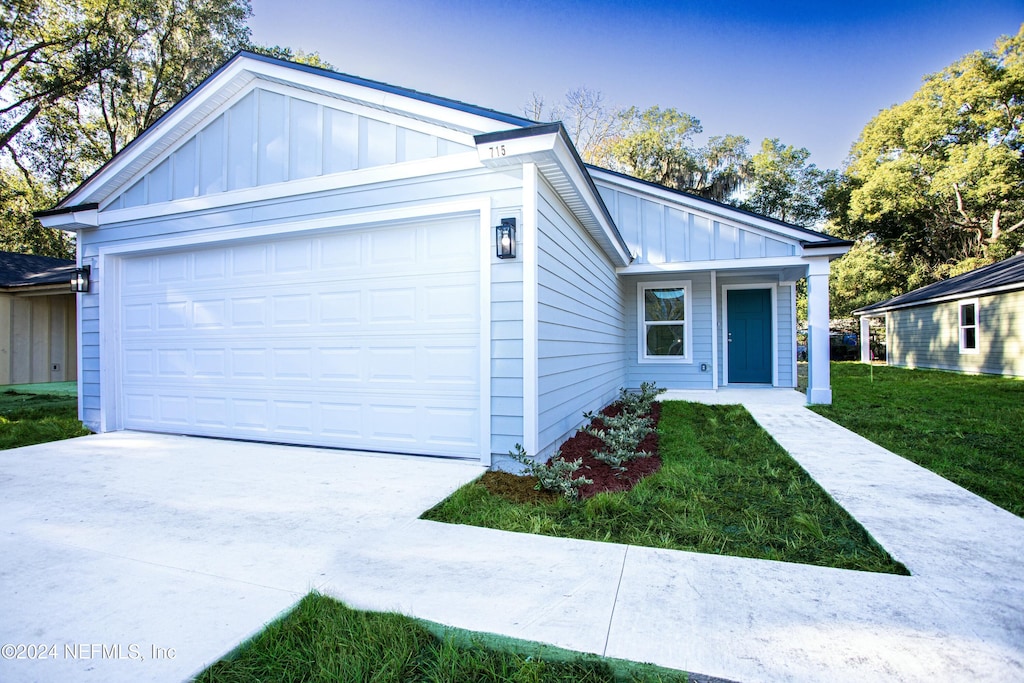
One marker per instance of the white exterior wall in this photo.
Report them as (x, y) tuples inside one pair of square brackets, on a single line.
[(580, 332), (500, 192)]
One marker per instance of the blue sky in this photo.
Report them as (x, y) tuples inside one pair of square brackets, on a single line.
[(809, 73)]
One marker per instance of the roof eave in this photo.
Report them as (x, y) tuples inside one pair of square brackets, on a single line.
[(549, 146)]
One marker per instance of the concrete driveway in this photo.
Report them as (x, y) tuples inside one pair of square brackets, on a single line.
[(146, 556), (119, 548)]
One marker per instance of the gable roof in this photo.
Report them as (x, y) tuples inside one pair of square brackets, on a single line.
[(244, 67), (807, 237), (1004, 276), (26, 270)]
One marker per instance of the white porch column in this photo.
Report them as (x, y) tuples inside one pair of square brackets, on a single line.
[(865, 339), (819, 386)]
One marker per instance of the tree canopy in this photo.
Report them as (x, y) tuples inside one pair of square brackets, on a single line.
[(938, 180), (80, 79)]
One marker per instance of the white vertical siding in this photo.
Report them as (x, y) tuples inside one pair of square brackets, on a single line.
[(580, 324), (660, 231), (269, 137)]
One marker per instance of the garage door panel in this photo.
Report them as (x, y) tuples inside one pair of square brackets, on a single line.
[(361, 339)]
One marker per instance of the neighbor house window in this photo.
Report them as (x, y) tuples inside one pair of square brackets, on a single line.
[(664, 321), (969, 326)]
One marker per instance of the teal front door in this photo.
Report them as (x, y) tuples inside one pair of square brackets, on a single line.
[(749, 321)]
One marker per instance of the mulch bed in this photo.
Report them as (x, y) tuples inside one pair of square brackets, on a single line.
[(521, 489)]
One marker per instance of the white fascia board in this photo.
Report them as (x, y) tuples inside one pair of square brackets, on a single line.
[(466, 121), (408, 170), (697, 206), (71, 220), (720, 265), (583, 184), (832, 252), (512, 151)]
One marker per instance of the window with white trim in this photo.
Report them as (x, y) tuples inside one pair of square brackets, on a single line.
[(969, 326), (664, 312)]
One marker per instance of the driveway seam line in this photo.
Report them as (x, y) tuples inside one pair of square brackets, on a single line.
[(615, 601)]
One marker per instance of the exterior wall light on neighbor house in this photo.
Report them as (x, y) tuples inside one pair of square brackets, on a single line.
[(80, 279), (505, 236)]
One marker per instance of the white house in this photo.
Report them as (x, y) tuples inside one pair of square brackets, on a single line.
[(297, 255)]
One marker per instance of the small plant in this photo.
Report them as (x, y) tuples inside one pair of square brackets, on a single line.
[(555, 475), (640, 403), (622, 436)]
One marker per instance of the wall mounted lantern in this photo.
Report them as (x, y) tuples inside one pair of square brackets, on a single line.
[(505, 237), (80, 279)]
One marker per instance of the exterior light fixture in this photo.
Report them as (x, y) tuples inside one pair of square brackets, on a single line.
[(80, 279), (505, 237)]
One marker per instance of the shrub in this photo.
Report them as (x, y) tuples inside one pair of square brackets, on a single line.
[(621, 435), (554, 475)]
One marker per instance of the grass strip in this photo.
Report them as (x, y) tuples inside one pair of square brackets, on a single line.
[(321, 639), (725, 487), (27, 419), (966, 428)]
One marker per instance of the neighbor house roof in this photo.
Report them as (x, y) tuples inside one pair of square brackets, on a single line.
[(27, 270), (1004, 276)]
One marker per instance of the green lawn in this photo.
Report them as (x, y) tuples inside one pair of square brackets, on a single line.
[(725, 487), (27, 419), (323, 640), (968, 429)]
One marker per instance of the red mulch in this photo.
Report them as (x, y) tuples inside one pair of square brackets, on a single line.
[(605, 478)]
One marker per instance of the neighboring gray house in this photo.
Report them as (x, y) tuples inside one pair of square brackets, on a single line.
[(296, 255), (970, 323), (38, 339)]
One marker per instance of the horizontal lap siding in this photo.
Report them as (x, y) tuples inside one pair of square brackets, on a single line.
[(786, 326), (929, 336), (672, 375), (579, 327), (504, 191)]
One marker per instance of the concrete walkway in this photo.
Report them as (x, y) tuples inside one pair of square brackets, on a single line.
[(156, 543)]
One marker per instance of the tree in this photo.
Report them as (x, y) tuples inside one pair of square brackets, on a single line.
[(939, 179), (19, 231), (781, 184), (653, 144), (865, 275), (588, 119), (51, 52), (177, 44), (721, 169)]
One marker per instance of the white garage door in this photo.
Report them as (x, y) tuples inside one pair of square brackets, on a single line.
[(364, 338)]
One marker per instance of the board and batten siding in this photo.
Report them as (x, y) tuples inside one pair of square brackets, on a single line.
[(504, 192), (580, 335), (38, 340), (659, 232), (929, 336), (671, 375), (268, 137)]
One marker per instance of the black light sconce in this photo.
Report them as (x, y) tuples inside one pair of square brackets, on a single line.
[(505, 237), (80, 279)]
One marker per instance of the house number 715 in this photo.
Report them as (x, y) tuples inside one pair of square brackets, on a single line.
[(497, 151)]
